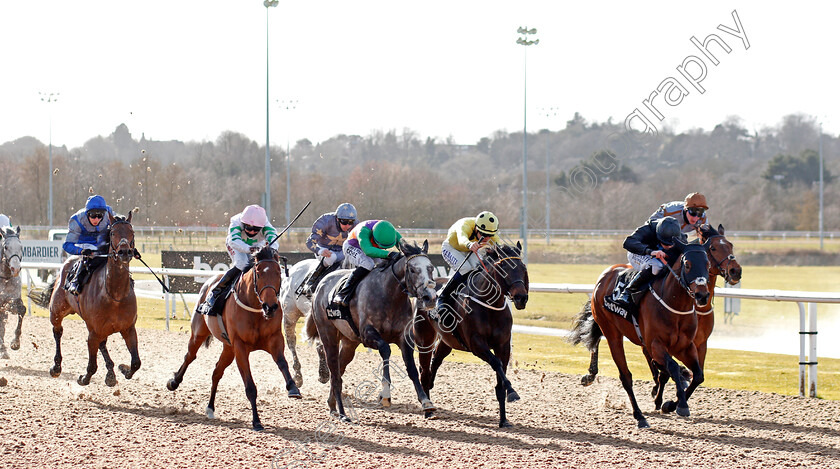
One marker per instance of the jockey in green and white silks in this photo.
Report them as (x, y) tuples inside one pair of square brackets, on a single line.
[(248, 232), (369, 239), (329, 232)]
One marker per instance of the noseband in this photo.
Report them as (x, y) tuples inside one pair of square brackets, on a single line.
[(404, 282), (113, 249), (259, 293), (681, 276), (7, 260)]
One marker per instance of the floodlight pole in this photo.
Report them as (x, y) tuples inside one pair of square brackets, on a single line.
[(525, 42)]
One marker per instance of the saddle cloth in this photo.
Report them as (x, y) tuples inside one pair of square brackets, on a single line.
[(610, 303)]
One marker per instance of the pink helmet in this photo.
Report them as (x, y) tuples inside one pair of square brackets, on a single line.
[(254, 215)]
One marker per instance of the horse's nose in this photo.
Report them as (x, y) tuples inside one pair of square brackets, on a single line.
[(519, 301), (702, 297), (735, 273), (268, 311)]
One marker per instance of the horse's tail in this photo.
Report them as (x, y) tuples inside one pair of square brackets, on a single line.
[(585, 330), (42, 297), (309, 329)]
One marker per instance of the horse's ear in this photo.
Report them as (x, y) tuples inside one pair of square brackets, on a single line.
[(17, 230), (519, 246), (402, 245), (425, 246), (130, 213), (720, 229), (111, 218)]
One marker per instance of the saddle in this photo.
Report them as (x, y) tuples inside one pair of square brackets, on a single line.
[(336, 311), (610, 304)]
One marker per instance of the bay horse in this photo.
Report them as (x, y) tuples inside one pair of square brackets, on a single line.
[(382, 310), (477, 318), (106, 303), (667, 325), (722, 262), (251, 320), (296, 306), (10, 284)]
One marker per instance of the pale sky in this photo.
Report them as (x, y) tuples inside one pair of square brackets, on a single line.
[(191, 70)]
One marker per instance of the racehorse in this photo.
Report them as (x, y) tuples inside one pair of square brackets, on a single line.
[(10, 302), (722, 262), (241, 331), (107, 304), (666, 326), (383, 312), (296, 306), (480, 321)]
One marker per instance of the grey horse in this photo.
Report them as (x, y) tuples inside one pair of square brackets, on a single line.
[(10, 301), (296, 306), (382, 311)]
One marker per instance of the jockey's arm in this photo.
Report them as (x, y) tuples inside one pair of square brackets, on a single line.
[(368, 248)]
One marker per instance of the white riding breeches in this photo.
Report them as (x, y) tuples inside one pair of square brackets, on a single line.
[(454, 258), (239, 259), (357, 257), (640, 262)]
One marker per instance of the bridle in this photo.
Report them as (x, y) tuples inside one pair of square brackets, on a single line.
[(6, 261), (700, 281), (405, 281), (492, 277), (718, 264), (113, 250)]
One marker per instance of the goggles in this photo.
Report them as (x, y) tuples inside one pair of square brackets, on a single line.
[(251, 229), (94, 214), (696, 211), (345, 221)]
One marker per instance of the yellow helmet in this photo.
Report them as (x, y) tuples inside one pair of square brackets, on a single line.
[(486, 223)]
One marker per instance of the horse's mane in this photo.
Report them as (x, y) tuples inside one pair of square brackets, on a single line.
[(266, 253), (410, 250), (502, 250), (707, 231), (9, 231)]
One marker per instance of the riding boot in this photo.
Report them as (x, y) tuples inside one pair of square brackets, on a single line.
[(74, 284), (447, 289), (315, 277), (229, 277), (639, 281), (343, 296)]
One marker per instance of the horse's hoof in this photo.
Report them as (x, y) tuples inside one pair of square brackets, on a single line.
[(55, 371), (643, 423), (430, 415), (512, 396), (344, 419), (295, 394), (210, 414), (110, 379), (669, 407), (15, 344), (683, 411), (126, 371), (505, 424), (4, 355), (428, 406), (83, 380), (258, 427), (587, 380), (298, 380), (324, 379), (653, 393), (385, 401), (657, 405), (172, 384)]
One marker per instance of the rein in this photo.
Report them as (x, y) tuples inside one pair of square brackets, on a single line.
[(403, 282), (258, 293), (492, 278), (719, 264)]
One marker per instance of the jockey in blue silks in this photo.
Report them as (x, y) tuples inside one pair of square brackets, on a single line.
[(329, 232), (86, 233)]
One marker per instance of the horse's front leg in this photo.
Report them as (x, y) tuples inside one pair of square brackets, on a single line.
[(17, 306), (290, 318), (130, 337), (110, 376), (503, 386), (93, 348), (371, 338), (276, 350), (411, 370), (661, 355), (3, 353), (242, 354), (225, 359)]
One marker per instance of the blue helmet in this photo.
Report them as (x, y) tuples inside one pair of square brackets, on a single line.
[(96, 202), (346, 211)]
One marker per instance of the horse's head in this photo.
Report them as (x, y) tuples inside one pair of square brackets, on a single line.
[(12, 249), (721, 254), (505, 264), (268, 276), (694, 272), (419, 271), (121, 238)]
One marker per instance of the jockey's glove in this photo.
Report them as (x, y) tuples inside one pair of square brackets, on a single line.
[(87, 252), (393, 256)]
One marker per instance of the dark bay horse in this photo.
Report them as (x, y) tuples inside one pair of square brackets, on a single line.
[(107, 304), (11, 252), (722, 262), (383, 312), (252, 320), (666, 326), (477, 320)]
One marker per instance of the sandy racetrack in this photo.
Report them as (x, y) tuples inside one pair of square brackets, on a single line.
[(46, 422)]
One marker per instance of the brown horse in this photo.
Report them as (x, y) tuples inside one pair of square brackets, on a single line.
[(241, 330), (477, 320), (722, 262), (666, 326), (107, 304)]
